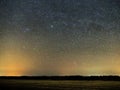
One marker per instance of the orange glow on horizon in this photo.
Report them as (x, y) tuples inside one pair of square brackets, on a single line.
[(14, 64), (13, 70), (13, 73)]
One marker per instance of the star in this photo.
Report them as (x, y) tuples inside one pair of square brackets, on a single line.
[(52, 26)]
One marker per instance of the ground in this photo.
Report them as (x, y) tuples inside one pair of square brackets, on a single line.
[(58, 85)]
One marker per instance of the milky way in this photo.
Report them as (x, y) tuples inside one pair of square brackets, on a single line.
[(59, 37)]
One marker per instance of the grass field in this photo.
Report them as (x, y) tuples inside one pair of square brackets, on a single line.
[(58, 85)]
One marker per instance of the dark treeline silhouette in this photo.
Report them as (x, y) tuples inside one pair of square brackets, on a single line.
[(104, 78)]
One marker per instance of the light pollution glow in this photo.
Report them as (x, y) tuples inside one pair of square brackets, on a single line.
[(59, 37), (13, 63)]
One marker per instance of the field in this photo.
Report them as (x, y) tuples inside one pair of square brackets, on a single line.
[(58, 85)]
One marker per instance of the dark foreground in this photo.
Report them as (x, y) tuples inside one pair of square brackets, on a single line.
[(12, 84)]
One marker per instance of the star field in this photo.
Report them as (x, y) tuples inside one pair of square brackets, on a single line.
[(59, 37)]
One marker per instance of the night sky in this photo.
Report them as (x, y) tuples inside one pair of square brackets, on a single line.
[(59, 37)]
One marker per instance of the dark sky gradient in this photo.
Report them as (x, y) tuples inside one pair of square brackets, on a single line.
[(59, 37)]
